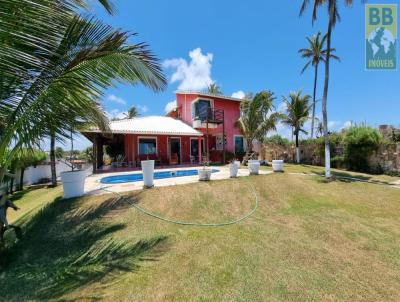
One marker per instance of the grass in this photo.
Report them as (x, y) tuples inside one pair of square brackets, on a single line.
[(308, 240), (294, 168)]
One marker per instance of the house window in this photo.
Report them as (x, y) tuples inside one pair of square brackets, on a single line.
[(219, 142), (199, 109), (147, 146), (239, 144)]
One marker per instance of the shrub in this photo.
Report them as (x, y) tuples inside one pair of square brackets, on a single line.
[(277, 140), (360, 143), (338, 162), (335, 140)]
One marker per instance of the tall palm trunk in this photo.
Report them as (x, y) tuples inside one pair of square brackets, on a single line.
[(2, 174), (314, 98), (297, 147), (325, 96), (53, 160), (21, 179)]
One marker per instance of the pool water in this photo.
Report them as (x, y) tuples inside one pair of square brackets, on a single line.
[(117, 179)]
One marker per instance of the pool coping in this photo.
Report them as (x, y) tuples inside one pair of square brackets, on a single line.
[(93, 186)]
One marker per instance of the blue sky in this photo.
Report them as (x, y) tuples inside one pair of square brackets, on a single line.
[(249, 46)]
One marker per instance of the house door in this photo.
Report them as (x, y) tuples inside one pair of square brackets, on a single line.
[(194, 147), (175, 151)]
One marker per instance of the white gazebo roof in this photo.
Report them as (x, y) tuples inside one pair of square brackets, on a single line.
[(150, 125)]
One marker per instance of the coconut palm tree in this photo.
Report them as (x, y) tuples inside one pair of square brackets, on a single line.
[(132, 112), (316, 53), (257, 117), (54, 62), (333, 16), (297, 113), (214, 88)]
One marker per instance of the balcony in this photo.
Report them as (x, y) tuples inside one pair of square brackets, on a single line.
[(209, 117)]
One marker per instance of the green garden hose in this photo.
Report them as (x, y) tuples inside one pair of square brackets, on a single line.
[(169, 220)]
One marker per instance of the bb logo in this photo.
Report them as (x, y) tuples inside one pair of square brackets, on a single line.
[(381, 36)]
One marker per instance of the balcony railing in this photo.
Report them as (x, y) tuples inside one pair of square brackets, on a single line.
[(211, 115)]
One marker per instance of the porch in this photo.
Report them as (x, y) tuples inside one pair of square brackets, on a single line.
[(167, 141)]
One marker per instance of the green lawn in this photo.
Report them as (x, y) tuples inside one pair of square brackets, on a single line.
[(308, 240)]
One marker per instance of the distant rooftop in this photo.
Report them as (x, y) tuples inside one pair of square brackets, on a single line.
[(150, 125)]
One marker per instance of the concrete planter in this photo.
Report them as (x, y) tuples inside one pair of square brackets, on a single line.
[(148, 173), (73, 183), (237, 162), (204, 174), (277, 165), (197, 123), (233, 170), (254, 167)]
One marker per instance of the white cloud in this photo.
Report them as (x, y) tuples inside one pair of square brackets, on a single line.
[(347, 125), (170, 106), (239, 94), (115, 113), (116, 99), (143, 108), (193, 75)]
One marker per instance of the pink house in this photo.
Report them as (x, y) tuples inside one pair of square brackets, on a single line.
[(191, 133)]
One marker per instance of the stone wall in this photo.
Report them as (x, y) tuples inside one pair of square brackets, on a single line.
[(387, 157)]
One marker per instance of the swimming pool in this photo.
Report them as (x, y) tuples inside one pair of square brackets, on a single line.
[(118, 179)]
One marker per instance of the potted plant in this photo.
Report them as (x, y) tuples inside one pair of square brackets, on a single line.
[(234, 168), (277, 165), (73, 181), (205, 173), (148, 172), (254, 166)]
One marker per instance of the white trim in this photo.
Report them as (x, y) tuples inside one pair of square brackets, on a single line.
[(151, 137), (196, 100), (202, 146), (180, 148)]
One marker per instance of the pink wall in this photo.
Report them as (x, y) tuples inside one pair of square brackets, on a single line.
[(231, 110), (131, 147)]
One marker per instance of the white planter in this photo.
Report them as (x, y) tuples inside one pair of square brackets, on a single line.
[(233, 169), (277, 165), (196, 123), (254, 167), (73, 183), (148, 173), (204, 174), (237, 162)]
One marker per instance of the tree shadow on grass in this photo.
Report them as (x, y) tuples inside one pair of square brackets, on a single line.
[(67, 246), (349, 178)]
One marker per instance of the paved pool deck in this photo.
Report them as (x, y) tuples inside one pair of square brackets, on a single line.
[(94, 187)]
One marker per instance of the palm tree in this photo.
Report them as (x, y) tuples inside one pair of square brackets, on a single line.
[(334, 16), (214, 88), (315, 53), (297, 113), (132, 112), (54, 62), (257, 117)]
